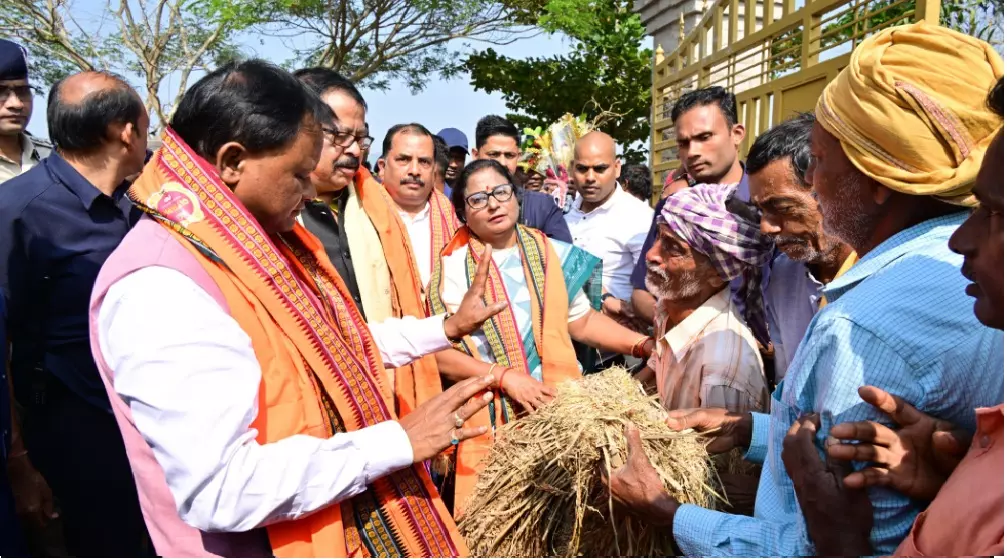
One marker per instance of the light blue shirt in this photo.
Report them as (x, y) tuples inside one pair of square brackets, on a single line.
[(791, 297), (899, 320)]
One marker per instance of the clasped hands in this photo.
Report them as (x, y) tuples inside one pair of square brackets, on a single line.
[(915, 460)]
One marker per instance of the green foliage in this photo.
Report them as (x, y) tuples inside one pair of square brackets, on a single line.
[(147, 42), (377, 43), (606, 77)]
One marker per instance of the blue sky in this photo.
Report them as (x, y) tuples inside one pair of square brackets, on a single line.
[(444, 103)]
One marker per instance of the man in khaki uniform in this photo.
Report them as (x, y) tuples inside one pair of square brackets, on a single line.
[(18, 151)]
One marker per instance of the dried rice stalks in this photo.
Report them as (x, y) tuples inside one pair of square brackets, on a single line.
[(541, 495)]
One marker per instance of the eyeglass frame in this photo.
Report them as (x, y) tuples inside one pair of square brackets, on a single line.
[(22, 92), (492, 192), (336, 133)]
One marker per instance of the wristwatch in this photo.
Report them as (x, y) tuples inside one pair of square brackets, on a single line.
[(606, 296)]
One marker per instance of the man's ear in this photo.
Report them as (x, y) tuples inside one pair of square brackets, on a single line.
[(127, 135), (230, 163), (381, 169), (879, 193), (738, 133)]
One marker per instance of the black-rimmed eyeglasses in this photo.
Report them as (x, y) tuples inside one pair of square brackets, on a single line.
[(501, 192), (345, 139)]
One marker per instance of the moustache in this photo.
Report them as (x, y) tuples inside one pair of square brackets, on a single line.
[(653, 269), (410, 180), (348, 162), (782, 239)]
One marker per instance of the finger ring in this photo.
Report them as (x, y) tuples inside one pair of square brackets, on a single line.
[(459, 421), (454, 438)]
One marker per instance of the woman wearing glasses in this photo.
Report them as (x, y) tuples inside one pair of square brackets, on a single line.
[(528, 345)]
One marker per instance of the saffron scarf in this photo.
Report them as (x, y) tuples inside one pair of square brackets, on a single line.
[(420, 380), (443, 225), (310, 341), (550, 343)]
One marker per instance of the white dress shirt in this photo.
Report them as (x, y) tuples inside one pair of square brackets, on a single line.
[(418, 227), (191, 380), (614, 232)]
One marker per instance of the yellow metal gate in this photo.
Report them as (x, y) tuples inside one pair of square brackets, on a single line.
[(775, 56)]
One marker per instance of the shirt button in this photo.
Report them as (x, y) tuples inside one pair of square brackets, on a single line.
[(346, 254)]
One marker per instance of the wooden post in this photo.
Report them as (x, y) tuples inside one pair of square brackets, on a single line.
[(749, 17), (811, 32), (732, 22), (928, 11), (718, 27), (657, 99)]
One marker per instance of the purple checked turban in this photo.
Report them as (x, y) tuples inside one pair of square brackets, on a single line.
[(699, 215)]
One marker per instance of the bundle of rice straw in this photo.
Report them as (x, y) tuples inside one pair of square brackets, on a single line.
[(541, 493)]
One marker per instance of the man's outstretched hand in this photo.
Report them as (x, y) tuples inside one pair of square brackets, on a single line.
[(637, 488), (915, 460), (727, 430), (434, 425), (473, 311)]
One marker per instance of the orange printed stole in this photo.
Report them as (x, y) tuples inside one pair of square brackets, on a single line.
[(550, 313), (321, 370), (443, 224), (420, 380)]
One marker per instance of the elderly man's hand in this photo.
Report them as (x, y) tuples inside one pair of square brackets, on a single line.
[(727, 430), (637, 488), (838, 519), (916, 460)]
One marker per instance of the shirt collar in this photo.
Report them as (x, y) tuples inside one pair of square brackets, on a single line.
[(29, 152), (896, 246), (75, 182), (423, 214), (685, 333), (609, 204)]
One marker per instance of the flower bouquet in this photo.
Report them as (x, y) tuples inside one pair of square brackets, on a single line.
[(550, 152)]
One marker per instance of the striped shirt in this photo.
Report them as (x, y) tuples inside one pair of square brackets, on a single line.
[(898, 320)]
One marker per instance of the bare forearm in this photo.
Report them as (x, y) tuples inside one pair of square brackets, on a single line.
[(648, 378), (456, 366), (16, 442), (643, 304), (601, 332)]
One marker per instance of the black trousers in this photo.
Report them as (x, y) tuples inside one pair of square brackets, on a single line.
[(78, 449)]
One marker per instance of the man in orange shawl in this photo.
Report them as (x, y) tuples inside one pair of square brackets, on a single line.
[(248, 388), (363, 234)]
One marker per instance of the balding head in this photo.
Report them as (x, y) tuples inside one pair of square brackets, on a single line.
[(595, 169), (92, 112), (595, 143)]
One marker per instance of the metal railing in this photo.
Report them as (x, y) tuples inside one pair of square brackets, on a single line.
[(775, 56)]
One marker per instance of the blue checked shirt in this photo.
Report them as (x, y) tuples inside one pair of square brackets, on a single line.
[(899, 320)]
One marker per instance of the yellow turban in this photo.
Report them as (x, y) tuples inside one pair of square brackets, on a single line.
[(910, 109)]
